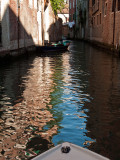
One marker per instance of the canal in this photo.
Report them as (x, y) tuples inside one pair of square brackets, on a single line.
[(49, 99)]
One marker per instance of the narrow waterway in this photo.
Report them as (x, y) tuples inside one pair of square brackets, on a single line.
[(49, 99)]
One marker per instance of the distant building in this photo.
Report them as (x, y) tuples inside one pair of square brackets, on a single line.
[(81, 18), (64, 15), (72, 17)]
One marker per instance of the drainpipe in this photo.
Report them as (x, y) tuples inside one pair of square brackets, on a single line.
[(114, 22), (18, 9), (42, 21)]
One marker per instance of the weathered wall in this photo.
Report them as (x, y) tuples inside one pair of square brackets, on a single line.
[(23, 24), (28, 24), (5, 24), (65, 31), (19, 25)]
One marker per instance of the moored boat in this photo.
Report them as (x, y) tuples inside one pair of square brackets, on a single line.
[(54, 48), (69, 151)]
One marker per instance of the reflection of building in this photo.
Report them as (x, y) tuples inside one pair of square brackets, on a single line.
[(103, 122), (67, 68), (24, 117)]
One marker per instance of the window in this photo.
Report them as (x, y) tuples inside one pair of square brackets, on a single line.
[(97, 19), (93, 2), (113, 5), (118, 7), (30, 3), (70, 5), (73, 4), (94, 21), (35, 4), (100, 18), (105, 9), (73, 16)]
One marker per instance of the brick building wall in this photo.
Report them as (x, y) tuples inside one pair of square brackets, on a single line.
[(24, 24), (19, 24), (102, 22), (65, 31), (72, 10)]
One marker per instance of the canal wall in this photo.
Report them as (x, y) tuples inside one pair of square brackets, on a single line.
[(103, 46)]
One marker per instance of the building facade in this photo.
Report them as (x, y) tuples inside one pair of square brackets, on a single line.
[(81, 18), (104, 22), (27, 23), (64, 15), (72, 18)]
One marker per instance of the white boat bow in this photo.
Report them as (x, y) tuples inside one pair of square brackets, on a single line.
[(69, 151)]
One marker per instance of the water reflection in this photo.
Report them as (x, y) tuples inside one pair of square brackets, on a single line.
[(72, 96), (22, 123), (104, 109)]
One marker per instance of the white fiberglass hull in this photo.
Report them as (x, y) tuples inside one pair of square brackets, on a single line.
[(74, 152)]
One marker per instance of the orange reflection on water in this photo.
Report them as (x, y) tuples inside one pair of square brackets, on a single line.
[(24, 121)]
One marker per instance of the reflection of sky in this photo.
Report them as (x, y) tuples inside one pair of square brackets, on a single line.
[(70, 99)]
